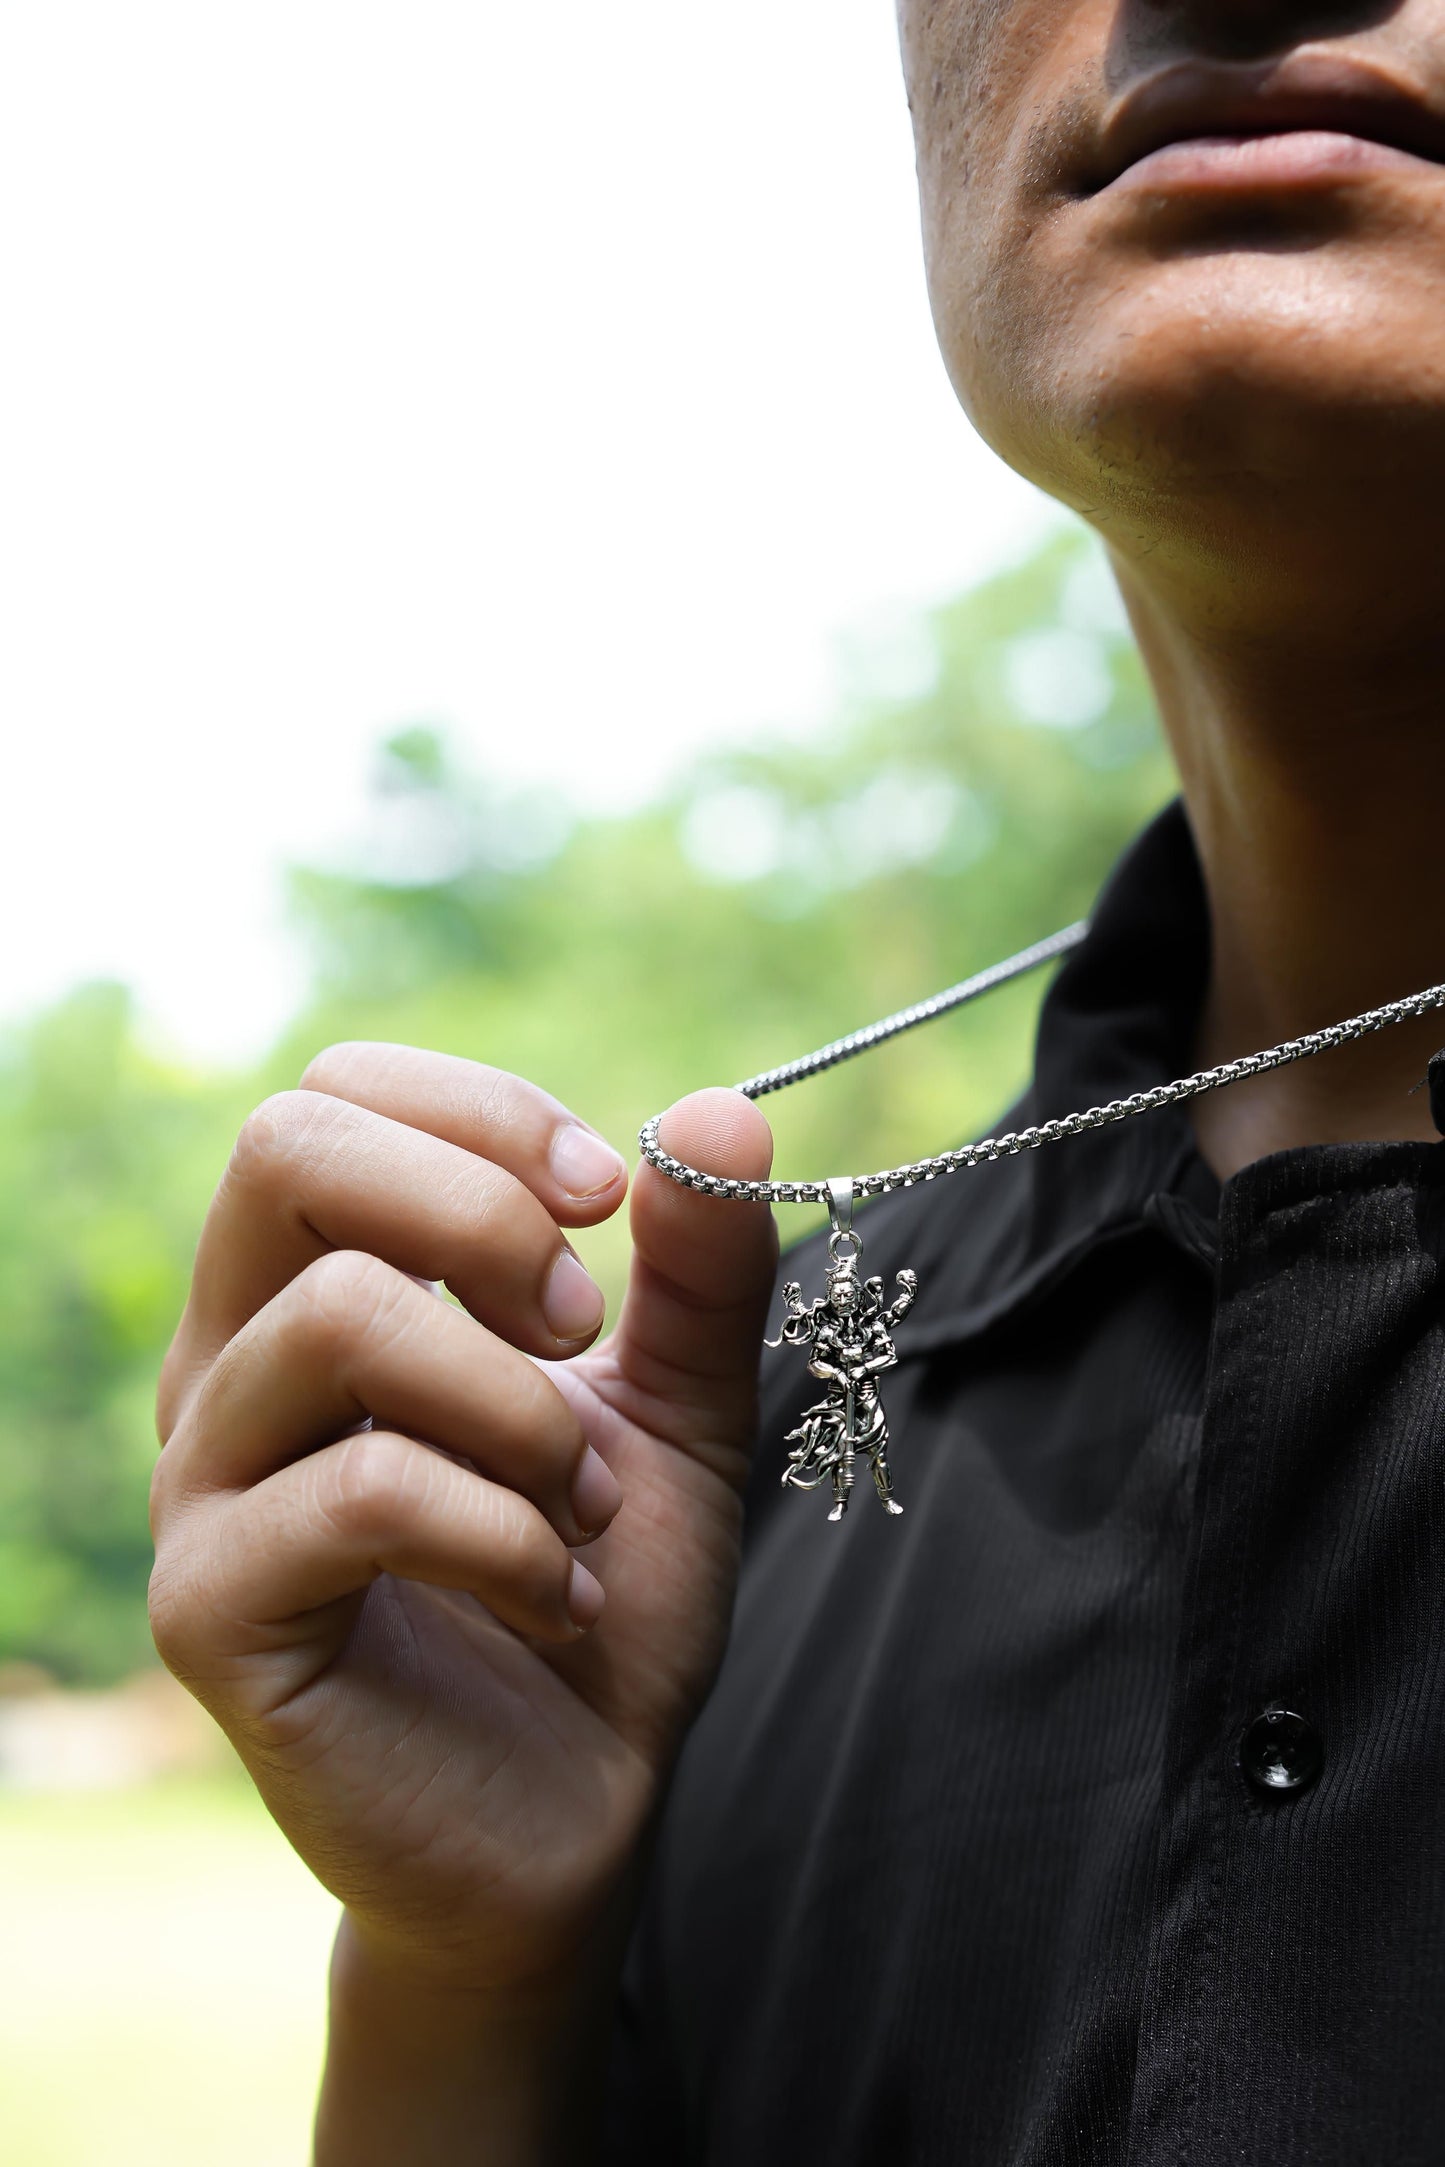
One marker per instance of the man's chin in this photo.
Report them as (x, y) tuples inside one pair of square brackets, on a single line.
[(1225, 376)]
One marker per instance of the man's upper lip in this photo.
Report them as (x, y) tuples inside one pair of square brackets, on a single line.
[(1308, 89)]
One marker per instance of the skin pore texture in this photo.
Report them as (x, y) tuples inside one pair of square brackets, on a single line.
[(1187, 261)]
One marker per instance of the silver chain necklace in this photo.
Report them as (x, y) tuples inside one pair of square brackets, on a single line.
[(846, 1332)]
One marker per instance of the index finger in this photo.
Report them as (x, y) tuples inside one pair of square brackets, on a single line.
[(504, 1118), (317, 1170)]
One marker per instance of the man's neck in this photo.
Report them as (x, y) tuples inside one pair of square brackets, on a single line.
[(1314, 784)]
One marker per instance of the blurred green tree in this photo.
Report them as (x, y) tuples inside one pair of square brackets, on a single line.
[(976, 785), (105, 1154)]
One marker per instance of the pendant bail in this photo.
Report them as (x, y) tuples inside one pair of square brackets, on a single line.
[(840, 1212)]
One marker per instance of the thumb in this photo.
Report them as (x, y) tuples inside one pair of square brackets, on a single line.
[(702, 1278)]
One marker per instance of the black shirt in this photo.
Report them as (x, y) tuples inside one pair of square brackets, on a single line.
[(985, 1850)]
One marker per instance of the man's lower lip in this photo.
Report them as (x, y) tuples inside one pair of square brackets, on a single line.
[(1305, 158)]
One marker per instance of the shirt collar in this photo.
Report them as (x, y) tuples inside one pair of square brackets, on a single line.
[(1118, 1019)]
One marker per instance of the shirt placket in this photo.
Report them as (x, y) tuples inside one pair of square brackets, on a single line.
[(1298, 1933)]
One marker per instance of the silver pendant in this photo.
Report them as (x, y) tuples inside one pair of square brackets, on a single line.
[(847, 1336)]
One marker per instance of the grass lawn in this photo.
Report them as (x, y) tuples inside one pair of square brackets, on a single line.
[(162, 1984)]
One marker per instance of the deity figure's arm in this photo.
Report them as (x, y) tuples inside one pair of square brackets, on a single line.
[(884, 1356), (798, 1325), (822, 1365), (908, 1283)]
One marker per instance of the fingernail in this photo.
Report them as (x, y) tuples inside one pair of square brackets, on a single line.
[(585, 1597), (596, 1494), (582, 1164), (572, 1300)]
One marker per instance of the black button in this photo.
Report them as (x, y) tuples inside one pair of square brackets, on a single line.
[(1280, 1753)]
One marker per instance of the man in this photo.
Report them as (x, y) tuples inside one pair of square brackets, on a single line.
[(1090, 1812)]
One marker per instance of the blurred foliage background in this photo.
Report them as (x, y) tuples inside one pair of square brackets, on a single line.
[(971, 794)]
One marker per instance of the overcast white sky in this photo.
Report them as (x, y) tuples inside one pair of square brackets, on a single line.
[(558, 373)]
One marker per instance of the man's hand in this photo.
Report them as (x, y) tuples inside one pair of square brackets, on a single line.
[(369, 1501)]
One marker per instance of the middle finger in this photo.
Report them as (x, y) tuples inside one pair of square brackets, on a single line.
[(313, 1173), (351, 1339)]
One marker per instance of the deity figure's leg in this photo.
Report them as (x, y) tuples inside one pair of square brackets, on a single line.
[(842, 1478), (882, 1479)]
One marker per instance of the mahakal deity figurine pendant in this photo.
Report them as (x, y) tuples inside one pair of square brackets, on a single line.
[(847, 1332), (847, 1335)]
